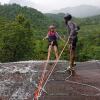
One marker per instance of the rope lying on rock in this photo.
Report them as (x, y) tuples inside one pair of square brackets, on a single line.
[(78, 83), (42, 83), (38, 92)]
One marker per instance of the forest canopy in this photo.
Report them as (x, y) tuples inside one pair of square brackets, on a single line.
[(22, 30)]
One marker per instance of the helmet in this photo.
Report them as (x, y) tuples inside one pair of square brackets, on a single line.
[(68, 16), (51, 26)]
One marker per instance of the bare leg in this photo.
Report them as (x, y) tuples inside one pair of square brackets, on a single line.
[(56, 52), (72, 57), (49, 52)]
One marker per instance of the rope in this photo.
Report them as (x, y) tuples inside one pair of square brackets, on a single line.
[(54, 66), (83, 84), (79, 83), (39, 86), (37, 93)]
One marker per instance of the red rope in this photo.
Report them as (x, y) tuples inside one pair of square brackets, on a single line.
[(42, 79)]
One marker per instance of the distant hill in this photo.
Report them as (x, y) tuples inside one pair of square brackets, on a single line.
[(84, 21), (80, 11), (58, 16), (23, 3), (36, 18), (28, 3), (89, 34)]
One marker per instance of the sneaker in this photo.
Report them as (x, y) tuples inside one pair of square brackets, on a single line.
[(68, 68), (74, 64)]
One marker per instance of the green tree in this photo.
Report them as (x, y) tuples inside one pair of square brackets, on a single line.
[(17, 42)]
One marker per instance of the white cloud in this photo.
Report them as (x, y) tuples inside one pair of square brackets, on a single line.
[(47, 5), (58, 4), (4, 1)]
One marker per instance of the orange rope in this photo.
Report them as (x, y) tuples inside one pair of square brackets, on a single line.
[(37, 93)]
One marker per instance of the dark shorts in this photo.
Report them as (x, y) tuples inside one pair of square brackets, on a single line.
[(73, 43), (54, 43)]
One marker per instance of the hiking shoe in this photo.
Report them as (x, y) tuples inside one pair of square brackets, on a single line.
[(74, 64), (68, 68)]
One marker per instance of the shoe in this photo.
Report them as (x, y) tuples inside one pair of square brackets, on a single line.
[(68, 68), (74, 64)]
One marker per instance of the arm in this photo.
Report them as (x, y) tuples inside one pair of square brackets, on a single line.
[(72, 29), (59, 37), (45, 37)]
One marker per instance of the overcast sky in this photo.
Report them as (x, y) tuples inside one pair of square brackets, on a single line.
[(48, 5)]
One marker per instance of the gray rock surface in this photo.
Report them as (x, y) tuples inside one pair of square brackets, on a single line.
[(19, 80)]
